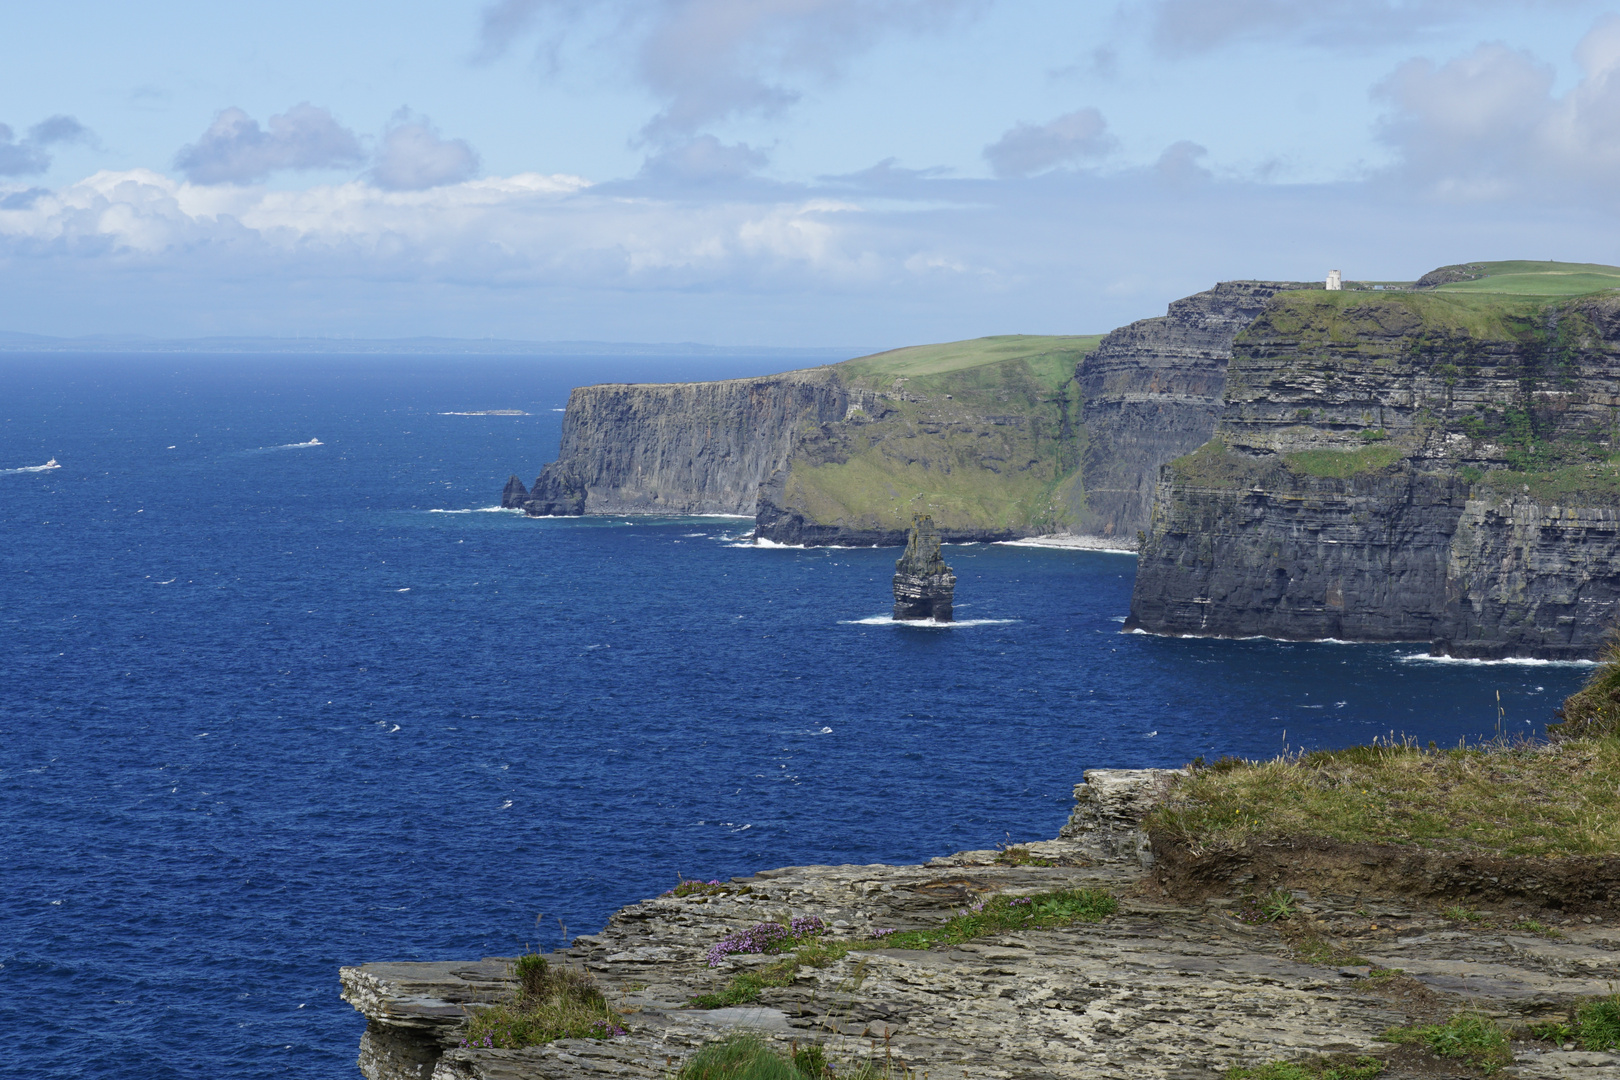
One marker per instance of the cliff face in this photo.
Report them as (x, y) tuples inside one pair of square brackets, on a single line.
[(1152, 393), (1402, 466), (997, 438), (681, 448)]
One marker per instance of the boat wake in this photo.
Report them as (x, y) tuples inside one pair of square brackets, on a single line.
[(288, 446), (47, 467)]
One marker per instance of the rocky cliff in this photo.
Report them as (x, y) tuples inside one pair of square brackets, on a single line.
[(680, 448), (997, 437), (1402, 466), (1187, 979), (1152, 392)]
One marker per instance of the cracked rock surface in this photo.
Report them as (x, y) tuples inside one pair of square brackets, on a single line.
[(1159, 990)]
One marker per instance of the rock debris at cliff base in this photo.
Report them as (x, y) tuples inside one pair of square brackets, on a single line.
[(1161, 990)]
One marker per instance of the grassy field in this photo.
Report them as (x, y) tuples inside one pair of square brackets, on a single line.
[(977, 437), (1051, 358), (1550, 279)]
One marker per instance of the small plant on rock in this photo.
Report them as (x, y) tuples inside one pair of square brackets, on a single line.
[(1469, 1037), (1597, 1023), (1338, 1067), (1021, 856), (552, 1002)]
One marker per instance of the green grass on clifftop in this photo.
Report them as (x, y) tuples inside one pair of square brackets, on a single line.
[(1525, 278), (1506, 800), (985, 435), (1051, 357)]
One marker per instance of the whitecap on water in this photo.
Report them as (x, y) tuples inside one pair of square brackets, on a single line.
[(482, 510), (1523, 661), (922, 624)]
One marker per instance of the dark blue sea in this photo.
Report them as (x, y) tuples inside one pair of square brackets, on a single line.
[(281, 689)]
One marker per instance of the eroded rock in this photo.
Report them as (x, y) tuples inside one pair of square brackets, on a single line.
[(924, 586)]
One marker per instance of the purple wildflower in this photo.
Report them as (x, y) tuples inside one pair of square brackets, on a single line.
[(882, 933), (765, 937)]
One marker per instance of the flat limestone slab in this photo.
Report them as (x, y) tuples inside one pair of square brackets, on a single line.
[(1160, 991)]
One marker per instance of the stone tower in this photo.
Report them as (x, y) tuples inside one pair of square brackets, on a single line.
[(923, 585), (1334, 282)]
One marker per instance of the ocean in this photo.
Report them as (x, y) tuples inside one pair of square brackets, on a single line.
[(282, 688)]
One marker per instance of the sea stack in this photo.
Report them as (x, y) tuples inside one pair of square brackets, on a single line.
[(923, 585)]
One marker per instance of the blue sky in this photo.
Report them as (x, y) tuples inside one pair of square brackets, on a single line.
[(777, 172)]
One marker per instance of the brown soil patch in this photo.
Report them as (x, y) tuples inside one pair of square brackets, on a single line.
[(1575, 885)]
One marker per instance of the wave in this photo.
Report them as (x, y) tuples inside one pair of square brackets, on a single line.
[(1255, 637), (47, 467), (482, 510), (1523, 661), (1069, 543), (923, 624)]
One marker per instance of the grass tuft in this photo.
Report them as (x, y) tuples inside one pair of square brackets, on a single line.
[(749, 1057), (1597, 1023), (1469, 1037), (1339, 1067), (1594, 709), (1021, 856), (1517, 800), (552, 1002)]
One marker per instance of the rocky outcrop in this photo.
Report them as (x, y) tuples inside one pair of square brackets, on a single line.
[(1108, 811), (923, 585), (1401, 467), (1166, 989), (1152, 392)]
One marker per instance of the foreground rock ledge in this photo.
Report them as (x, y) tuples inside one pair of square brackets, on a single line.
[(1162, 990)]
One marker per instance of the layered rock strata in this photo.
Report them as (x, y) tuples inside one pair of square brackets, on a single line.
[(924, 587), (1152, 392), (840, 455), (1402, 467), (680, 448), (1164, 990)]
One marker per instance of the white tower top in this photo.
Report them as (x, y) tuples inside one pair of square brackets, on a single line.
[(1333, 281)]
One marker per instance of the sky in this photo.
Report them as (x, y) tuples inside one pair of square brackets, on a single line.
[(863, 173)]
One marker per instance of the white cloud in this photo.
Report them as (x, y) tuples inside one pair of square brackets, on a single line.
[(413, 157), (709, 60), (530, 227), (1031, 148), (1488, 125), (235, 150), (31, 156)]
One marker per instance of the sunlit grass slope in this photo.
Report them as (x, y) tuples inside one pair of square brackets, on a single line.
[(1525, 278), (1051, 357), (984, 434)]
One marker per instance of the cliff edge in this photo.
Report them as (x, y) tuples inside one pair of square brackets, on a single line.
[(1433, 465), (997, 438)]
